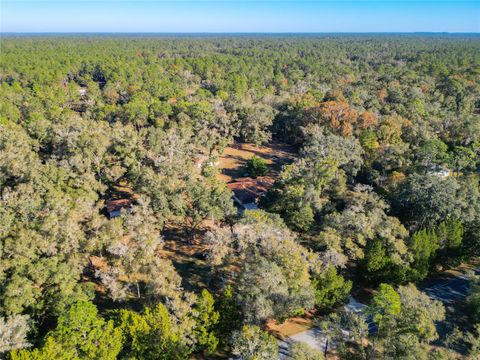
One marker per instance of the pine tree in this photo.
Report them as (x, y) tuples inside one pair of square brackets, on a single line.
[(207, 318), (229, 311)]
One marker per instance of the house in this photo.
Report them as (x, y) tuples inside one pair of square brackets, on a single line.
[(202, 159), (115, 206), (120, 197), (247, 191), (439, 171)]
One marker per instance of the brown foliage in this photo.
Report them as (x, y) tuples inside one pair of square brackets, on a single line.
[(382, 95), (368, 119), (339, 115)]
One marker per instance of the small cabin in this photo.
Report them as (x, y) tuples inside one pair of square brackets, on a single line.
[(115, 207), (247, 191), (439, 171), (120, 198)]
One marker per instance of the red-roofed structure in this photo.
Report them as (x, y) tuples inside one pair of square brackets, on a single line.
[(114, 207), (247, 190)]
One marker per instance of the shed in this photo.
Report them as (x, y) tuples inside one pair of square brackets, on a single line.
[(115, 206), (247, 191)]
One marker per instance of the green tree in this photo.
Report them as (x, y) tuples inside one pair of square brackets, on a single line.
[(80, 334), (273, 279), (379, 264), (152, 335), (368, 140), (423, 246), (208, 199), (256, 166), (320, 145), (384, 306), (262, 291), (425, 200), (301, 191), (450, 237), (450, 234), (419, 313), (255, 122), (431, 153), (136, 110), (206, 321), (367, 234), (49, 350), (407, 322), (331, 288), (463, 158), (132, 267), (230, 316)]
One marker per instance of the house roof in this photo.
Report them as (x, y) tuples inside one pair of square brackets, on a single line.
[(118, 204), (248, 190)]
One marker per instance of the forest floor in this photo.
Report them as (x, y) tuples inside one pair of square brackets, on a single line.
[(291, 326), (235, 156), (187, 256)]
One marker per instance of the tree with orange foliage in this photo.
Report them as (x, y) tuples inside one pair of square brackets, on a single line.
[(368, 119), (339, 115), (382, 95)]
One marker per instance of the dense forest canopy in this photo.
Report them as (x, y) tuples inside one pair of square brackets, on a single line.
[(383, 192)]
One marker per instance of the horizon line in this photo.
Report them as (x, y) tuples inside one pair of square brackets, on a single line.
[(239, 32)]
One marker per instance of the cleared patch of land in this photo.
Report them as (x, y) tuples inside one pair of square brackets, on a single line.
[(235, 156), (289, 327)]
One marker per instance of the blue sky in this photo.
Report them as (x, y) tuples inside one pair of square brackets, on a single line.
[(239, 16)]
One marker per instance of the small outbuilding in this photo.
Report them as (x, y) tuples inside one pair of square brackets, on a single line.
[(247, 191), (115, 207), (439, 171)]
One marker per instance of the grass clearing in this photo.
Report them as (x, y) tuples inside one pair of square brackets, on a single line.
[(290, 326), (235, 156)]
